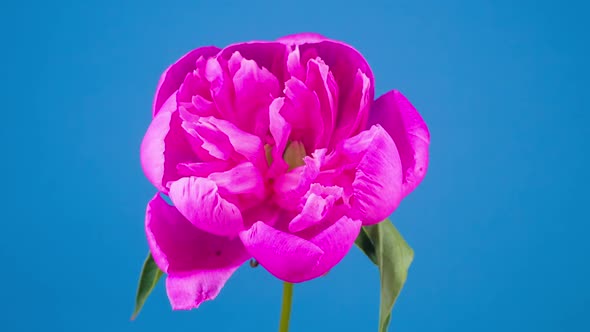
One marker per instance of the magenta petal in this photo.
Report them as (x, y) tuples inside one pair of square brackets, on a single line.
[(174, 75), (291, 187), (243, 185), (377, 185), (255, 88), (302, 38), (302, 112), (407, 128), (158, 161), (197, 263), (335, 241), (199, 201), (280, 130), (318, 203), (286, 256), (354, 110), (322, 82)]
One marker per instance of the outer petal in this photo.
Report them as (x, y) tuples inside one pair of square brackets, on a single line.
[(197, 263), (407, 128), (302, 38), (286, 256), (199, 201), (269, 55), (335, 241), (164, 146), (174, 75), (377, 183)]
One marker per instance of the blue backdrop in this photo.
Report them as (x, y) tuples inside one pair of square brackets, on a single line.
[(499, 226)]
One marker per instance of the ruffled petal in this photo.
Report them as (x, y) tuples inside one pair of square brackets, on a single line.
[(286, 256), (319, 201), (223, 140), (164, 146), (374, 162), (322, 82), (255, 88), (268, 55), (242, 185), (174, 75), (409, 131), (199, 201), (302, 112), (197, 263), (290, 187), (354, 110)]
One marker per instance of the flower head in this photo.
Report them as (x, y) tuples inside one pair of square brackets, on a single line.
[(272, 150)]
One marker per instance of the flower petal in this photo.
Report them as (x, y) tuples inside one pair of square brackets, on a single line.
[(302, 38), (255, 88), (223, 140), (320, 80), (164, 146), (242, 185), (197, 263), (335, 241), (409, 131), (280, 130), (286, 256), (377, 174), (290, 187), (174, 75), (354, 110), (302, 112), (199, 201), (319, 201)]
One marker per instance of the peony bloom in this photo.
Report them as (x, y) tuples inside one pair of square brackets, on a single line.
[(272, 150)]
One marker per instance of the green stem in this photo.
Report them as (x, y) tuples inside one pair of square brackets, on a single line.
[(286, 308)]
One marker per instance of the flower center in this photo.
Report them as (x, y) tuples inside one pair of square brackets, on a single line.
[(293, 155)]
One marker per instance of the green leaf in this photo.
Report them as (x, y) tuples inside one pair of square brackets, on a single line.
[(366, 245), (150, 274), (394, 257)]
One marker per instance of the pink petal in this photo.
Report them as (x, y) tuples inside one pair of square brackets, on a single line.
[(407, 128), (320, 80), (268, 55), (202, 169), (255, 88), (164, 146), (286, 256), (319, 201), (335, 241), (377, 185), (199, 201), (290, 187), (174, 75), (197, 263), (302, 38), (302, 112), (280, 130), (223, 140), (354, 110), (242, 185)]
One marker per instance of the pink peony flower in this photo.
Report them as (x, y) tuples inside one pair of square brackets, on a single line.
[(272, 150)]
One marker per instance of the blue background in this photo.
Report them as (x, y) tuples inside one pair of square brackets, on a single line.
[(500, 225)]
